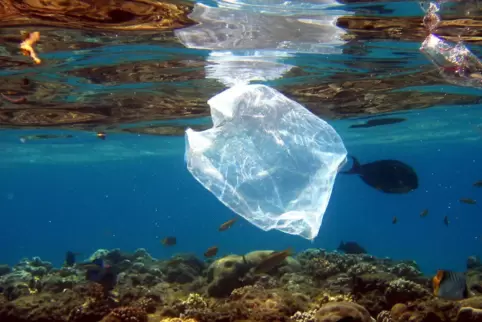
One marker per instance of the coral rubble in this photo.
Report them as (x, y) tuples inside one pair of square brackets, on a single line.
[(315, 285)]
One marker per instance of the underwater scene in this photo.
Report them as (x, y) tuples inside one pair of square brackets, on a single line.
[(241, 160)]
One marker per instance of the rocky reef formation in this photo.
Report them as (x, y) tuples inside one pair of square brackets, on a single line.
[(315, 285)]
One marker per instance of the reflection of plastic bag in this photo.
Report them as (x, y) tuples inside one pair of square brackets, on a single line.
[(267, 158), (228, 29), (242, 67), (456, 63)]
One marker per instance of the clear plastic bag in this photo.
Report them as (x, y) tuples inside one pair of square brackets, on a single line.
[(267, 158)]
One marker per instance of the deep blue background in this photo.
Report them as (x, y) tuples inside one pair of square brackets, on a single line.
[(50, 208)]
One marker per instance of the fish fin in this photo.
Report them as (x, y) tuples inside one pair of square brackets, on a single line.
[(355, 168), (437, 279)]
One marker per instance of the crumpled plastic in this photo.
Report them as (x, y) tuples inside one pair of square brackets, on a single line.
[(456, 63), (267, 158)]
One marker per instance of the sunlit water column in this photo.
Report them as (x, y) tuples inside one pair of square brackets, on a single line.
[(456, 63)]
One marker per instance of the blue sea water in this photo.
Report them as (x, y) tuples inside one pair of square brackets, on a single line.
[(49, 206), (131, 190)]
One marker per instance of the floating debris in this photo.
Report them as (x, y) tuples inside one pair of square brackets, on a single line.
[(101, 135), (14, 100), (27, 46)]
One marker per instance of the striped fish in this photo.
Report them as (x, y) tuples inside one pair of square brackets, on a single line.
[(450, 285)]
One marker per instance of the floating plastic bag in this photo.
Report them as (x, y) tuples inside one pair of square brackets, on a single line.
[(267, 158)]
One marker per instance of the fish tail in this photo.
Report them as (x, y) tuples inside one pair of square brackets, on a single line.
[(355, 168)]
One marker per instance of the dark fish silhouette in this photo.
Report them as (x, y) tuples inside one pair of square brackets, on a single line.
[(26, 138), (101, 273), (478, 184), (389, 176), (351, 248), (70, 258), (446, 221), (271, 261), (228, 224), (394, 220), (468, 201), (378, 122), (169, 241), (212, 251)]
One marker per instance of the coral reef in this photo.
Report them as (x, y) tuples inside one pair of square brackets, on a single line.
[(315, 285)]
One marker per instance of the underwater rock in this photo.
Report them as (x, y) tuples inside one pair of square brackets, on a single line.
[(226, 290), (4, 269), (100, 253), (16, 284), (467, 314), (126, 314), (57, 283), (224, 275), (401, 291), (384, 316), (473, 262), (185, 269), (341, 311), (406, 269), (35, 266)]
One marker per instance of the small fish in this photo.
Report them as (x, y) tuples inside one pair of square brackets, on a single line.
[(446, 221), (70, 258), (211, 252), (169, 241), (468, 201), (271, 261), (351, 248), (450, 285), (101, 135), (424, 213), (228, 224), (389, 176), (394, 220), (478, 184), (378, 122), (101, 273)]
